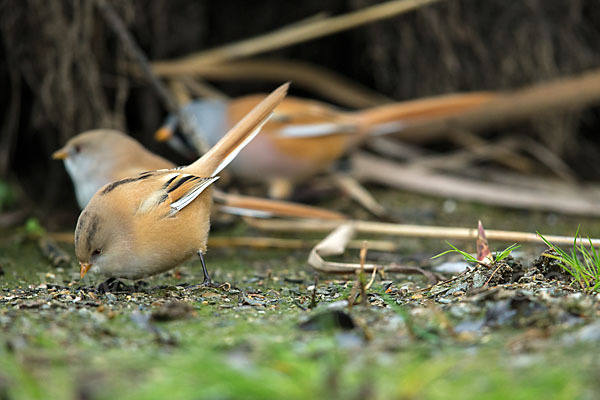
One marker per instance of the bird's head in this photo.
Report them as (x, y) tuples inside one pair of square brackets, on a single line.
[(209, 120), (101, 241)]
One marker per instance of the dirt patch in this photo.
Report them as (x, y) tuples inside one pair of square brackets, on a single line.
[(550, 267)]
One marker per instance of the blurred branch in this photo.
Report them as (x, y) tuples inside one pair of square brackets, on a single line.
[(254, 242), (403, 230), (564, 94), (202, 89), (311, 77), (571, 200), (296, 33), (180, 91), (462, 158), (116, 23), (10, 125)]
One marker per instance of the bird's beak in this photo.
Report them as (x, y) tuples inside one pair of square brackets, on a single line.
[(84, 268), (61, 154), (163, 134)]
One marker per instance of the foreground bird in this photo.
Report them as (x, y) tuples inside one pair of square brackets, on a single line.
[(147, 224), (304, 137)]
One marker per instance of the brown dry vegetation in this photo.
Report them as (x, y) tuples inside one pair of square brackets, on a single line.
[(67, 72)]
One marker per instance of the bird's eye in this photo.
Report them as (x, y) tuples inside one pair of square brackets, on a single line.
[(96, 252), (77, 149)]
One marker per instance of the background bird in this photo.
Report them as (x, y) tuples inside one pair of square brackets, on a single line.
[(95, 158), (146, 224), (304, 137)]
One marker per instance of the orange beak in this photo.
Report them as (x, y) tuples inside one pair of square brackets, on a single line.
[(84, 268), (163, 134), (60, 154)]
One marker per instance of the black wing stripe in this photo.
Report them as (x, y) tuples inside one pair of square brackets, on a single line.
[(181, 181), (170, 180), (112, 186)]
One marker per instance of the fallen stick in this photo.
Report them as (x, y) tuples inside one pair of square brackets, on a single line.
[(383, 228), (296, 33), (335, 244), (461, 158), (573, 200), (260, 242), (291, 244)]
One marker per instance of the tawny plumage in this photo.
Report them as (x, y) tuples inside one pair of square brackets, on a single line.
[(146, 224), (95, 158), (305, 137)]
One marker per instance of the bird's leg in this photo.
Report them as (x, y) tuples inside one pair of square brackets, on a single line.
[(207, 281)]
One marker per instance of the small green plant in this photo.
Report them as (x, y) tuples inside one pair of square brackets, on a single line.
[(34, 229), (582, 264), (499, 255)]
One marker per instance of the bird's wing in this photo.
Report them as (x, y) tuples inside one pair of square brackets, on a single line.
[(189, 190), (316, 130), (177, 190), (312, 121)]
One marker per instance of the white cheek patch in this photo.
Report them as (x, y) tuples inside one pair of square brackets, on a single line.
[(85, 176)]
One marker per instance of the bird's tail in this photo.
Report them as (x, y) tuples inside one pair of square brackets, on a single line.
[(390, 118), (265, 208), (226, 149)]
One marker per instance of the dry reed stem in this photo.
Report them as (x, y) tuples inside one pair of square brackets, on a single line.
[(403, 230), (571, 200), (287, 36)]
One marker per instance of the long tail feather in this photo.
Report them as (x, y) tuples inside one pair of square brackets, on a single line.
[(269, 207), (226, 149), (391, 118)]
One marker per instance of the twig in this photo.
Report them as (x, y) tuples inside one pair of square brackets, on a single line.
[(116, 23), (492, 275), (356, 191), (573, 200), (461, 158), (202, 89), (180, 91), (373, 275), (395, 149), (296, 33), (502, 154), (279, 243), (335, 244), (254, 242), (361, 273), (547, 157), (383, 228), (304, 75)]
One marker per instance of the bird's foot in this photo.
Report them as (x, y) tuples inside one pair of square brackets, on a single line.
[(113, 285), (211, 284)]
